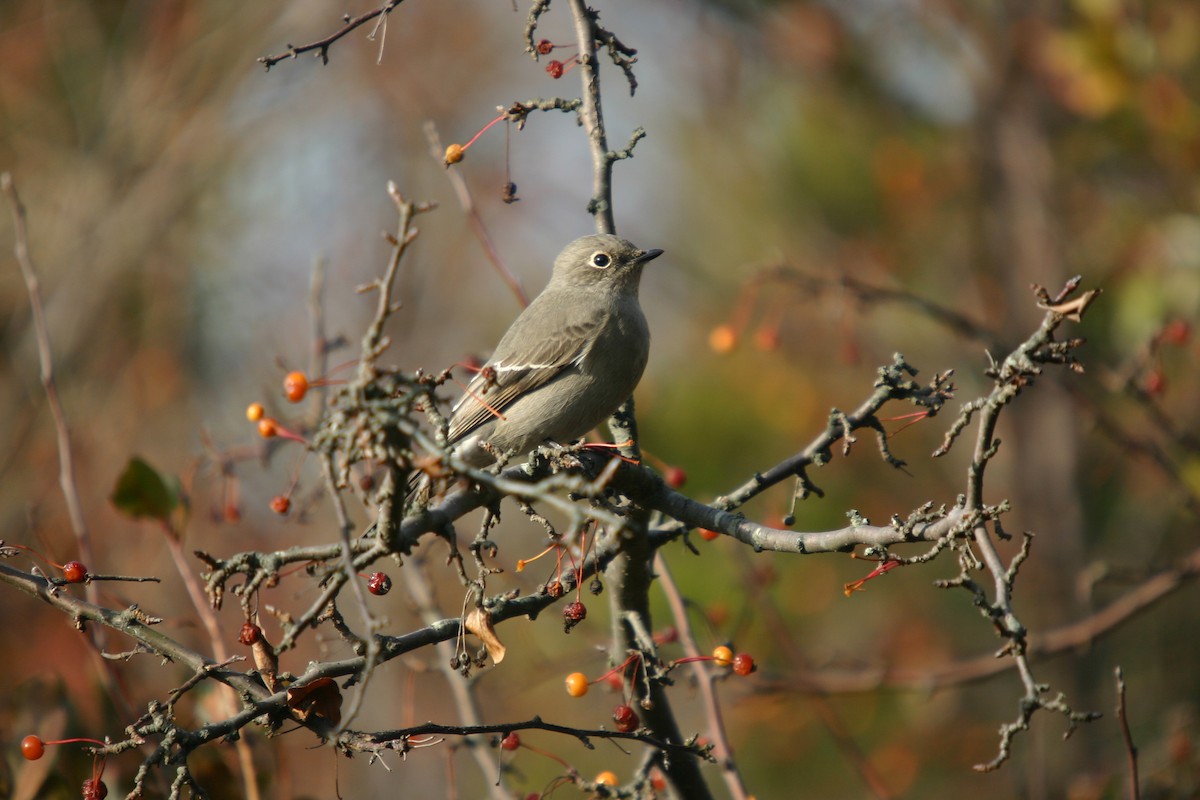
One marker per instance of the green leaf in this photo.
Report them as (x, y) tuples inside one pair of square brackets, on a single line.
[(142, 491)]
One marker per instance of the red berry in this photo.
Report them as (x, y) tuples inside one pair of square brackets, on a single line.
[(1155, 382), (743, 664), (615, 681), (658, 781), (708, 535), (295, 386), (766, 338), (379, 583), (32, 747), (511, 742), (626, 719), (74, 572), (675, 477), (249, 634), (94, 789), (281, 504), (544, 47), (555, 68), (1176, 332), (573, 614)]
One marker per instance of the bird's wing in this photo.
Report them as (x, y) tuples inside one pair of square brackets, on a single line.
[(520, 366)]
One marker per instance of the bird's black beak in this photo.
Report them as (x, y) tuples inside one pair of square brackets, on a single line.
[(648, 255)]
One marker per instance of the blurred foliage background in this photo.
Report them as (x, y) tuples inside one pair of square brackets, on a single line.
[(179, 197)]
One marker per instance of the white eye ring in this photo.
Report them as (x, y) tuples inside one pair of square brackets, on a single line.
[(601, 260)]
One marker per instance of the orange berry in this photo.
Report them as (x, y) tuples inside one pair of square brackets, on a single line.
[(280, 504), (295, 386), (708, 535), (32, 747), (577, 684), (454, 154), (255, 411), (723, 339), (267, 427), (723, 656), (606, 778)]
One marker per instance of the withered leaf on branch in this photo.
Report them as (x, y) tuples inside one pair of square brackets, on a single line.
[(321, 697), (479, 622), (1073, 309), (266, 661)]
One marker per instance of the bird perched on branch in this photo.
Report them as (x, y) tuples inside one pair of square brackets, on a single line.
[(566, 363)]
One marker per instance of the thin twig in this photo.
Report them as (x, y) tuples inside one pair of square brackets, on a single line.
[(461, 690), (705, 679), (322, 45), (467, 203), (66, 461), (1131, 752), (592, 115)]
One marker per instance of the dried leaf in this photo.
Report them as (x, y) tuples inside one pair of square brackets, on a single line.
[(479, 622), (266, 661), (1073, 309), (321, 697)]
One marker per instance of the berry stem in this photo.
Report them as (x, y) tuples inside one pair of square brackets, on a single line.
[(483, 130)]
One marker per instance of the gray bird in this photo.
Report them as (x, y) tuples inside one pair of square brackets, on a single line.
[(567, 362)]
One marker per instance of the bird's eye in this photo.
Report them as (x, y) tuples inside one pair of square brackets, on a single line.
[(601, 260)]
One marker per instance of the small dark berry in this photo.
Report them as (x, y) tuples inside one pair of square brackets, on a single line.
[(595, 587), (555, 589), (626, 719), (379, 583), (249, 634), (544, 47), (94, 789), (573, 614)]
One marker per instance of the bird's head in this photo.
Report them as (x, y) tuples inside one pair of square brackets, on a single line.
[(601, 259)]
